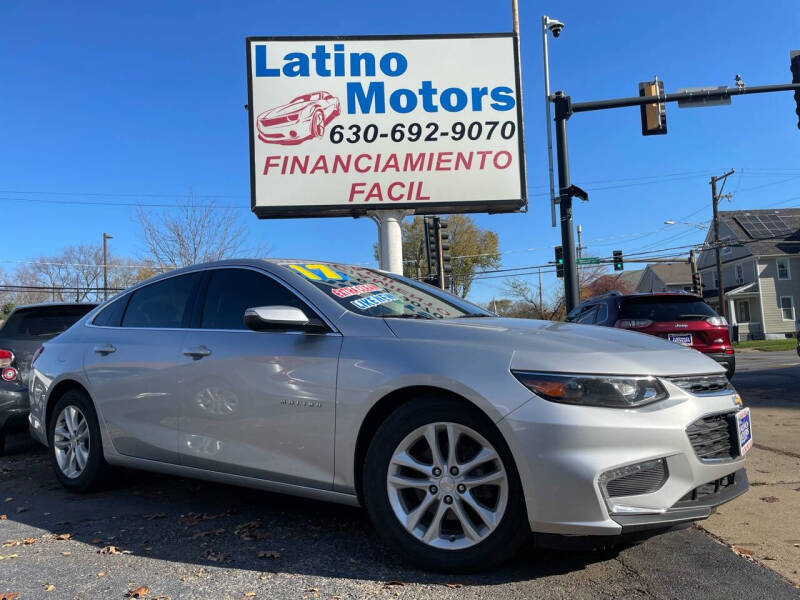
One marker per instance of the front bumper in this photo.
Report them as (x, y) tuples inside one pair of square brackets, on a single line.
[(561, 451), (14, 407), (726, 360)]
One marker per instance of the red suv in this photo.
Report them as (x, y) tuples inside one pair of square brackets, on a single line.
[(675, 316)]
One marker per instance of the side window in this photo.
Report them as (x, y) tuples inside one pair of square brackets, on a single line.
[(587, 316), (602, 314), (162, 304), (572, 317), (111, 315), (232, 291)]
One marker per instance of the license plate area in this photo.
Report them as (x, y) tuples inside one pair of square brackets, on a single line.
[(744, 431), (684, 339)]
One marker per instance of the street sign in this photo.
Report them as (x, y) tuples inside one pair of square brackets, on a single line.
[(702, 100), (589, 260), (340, 126)]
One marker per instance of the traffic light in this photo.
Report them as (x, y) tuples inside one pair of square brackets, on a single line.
[(432, 249), (559, 261), (794, 56), (654, 116), (619, 264), (444, 254), (696, 284)]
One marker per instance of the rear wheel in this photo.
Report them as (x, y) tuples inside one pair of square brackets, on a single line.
[(76, 451), (439, 483)]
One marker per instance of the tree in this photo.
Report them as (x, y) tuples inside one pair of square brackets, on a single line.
[(471, 248), (191, 233)]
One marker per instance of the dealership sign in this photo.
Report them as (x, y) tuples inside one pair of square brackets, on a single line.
[(347, 125)]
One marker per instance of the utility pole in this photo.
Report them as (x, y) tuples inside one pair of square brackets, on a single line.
[(715, 198), (541, 315), (579, 251), (106, 237)]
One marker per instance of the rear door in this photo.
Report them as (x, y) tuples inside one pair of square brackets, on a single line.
[(131, 362), (259, 404)]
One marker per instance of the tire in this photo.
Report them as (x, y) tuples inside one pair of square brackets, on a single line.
[(95, 470), (317, 124), (453, 546)]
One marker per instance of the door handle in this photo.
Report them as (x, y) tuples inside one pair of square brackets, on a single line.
[(197, 352), (105, 349)]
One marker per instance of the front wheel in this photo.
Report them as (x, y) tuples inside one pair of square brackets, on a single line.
[(440, 483), (76, 451)]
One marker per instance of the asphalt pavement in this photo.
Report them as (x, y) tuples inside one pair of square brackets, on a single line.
[(187, 539)]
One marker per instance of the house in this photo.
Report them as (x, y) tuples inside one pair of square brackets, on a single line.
[(760, 271), (630, 279), (666, 277)]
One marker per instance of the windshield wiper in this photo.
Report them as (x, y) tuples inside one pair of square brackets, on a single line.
[(406, 316), (472, 316)]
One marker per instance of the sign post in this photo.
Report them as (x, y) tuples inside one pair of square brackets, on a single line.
[(385, 126)]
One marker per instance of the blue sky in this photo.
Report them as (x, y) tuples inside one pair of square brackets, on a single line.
[(114, 103)]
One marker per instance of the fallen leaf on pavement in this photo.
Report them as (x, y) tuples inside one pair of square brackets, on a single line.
[(3, 517), (454, 585), (9, 556), (249, 594), (392, 583), (139, 592), (744, 551), (63, 536), (66, 553), (162, 597), (215, 556), (22, 509), (269, 554), (48, 587), (9, 596), (101, 574), (109, 550), (155, 516), (95, 540), (202, 534), (770, 499), (9, 499)]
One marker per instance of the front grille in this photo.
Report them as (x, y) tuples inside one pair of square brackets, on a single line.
[(707, 490), (704, 384), (645, 481), (713, 437)]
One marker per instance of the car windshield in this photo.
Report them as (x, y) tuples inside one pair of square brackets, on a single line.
[(305, 98), (377, 294), (42, 322), (665, 308)]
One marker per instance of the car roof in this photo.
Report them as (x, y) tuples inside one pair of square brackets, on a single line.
[(54, 305)]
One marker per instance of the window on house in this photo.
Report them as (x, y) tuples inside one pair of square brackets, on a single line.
[(787, 308), (783, 268), (714, 278), (743, 311), (739, 274)]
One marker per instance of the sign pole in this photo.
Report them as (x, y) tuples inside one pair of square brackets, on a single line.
[(390, 239)]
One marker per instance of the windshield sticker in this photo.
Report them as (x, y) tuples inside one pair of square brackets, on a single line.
[(355, 290), (371, 301), (319, 272)]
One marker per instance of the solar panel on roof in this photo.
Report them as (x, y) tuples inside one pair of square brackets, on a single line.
[(763, 226)]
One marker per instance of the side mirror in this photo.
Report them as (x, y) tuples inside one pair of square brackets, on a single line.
[(266, 318)]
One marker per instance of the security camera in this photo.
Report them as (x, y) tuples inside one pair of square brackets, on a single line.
[(555, 27)]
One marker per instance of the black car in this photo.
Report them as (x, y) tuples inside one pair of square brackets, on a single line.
[(22, 333)]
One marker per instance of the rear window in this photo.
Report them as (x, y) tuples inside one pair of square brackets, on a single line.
[(665, 308), (43, 322)]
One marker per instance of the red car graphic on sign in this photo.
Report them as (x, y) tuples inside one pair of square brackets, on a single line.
[(302, 118)]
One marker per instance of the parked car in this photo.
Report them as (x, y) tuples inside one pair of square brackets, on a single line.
[(679, 317), (459, 431), (25, 329)]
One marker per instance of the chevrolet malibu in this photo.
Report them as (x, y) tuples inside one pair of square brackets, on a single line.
[(460, 432)]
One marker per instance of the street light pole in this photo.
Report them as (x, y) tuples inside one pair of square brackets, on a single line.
[(548, 117), (106, 237)]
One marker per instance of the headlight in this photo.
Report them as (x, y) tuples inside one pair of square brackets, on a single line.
[(594, 390)]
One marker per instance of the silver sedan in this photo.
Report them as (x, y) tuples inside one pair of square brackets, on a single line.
[(460, 432)]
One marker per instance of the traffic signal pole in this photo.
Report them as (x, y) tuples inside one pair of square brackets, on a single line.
[(565, 108)]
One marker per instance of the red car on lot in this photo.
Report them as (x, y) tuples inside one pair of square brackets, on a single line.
[(679, 317)]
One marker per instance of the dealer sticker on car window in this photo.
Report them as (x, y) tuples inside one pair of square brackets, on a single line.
[(374, 300)]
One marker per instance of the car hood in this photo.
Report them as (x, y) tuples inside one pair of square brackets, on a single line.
[(562, 347), (284, 109)]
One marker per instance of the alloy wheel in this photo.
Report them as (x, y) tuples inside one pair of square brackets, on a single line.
[(447, 486), (71, 441)]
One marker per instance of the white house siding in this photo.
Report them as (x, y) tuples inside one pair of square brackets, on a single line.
[(772, 289)]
